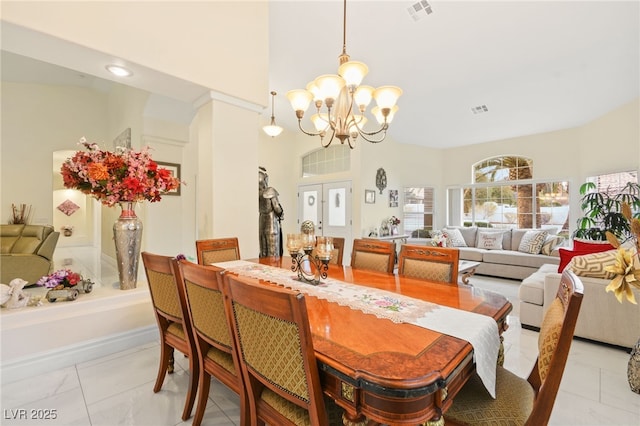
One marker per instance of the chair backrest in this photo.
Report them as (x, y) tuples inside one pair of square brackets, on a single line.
[(429, 263), (554, 342), (217, 250), (278, 362), (168, 298), (373, 254), (338, 251), (210, 318)]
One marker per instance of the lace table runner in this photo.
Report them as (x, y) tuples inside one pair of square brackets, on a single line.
[(479, 330)]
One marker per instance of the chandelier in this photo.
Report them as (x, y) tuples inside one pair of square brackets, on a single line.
[(345, 101), (272, 129)]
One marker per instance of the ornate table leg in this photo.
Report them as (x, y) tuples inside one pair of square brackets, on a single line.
[(466, 275)]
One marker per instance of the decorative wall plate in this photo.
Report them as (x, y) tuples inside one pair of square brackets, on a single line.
[(381, 179)]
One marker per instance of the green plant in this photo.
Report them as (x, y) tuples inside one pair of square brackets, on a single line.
[(602, 211)]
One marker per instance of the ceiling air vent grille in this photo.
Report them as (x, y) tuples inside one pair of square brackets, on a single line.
[(480, 109), (419, 10)]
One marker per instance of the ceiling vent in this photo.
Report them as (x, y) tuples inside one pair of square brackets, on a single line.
[(419, 10), (480, 109)]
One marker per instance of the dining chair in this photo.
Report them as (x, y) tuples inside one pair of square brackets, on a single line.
[(374, 255), (528, 401), (338, 251), (170, 308), (217, 355), (438, 264), (217, 250), (277, 358)]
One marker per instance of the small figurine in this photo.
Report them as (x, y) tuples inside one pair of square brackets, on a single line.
[(12, 296)]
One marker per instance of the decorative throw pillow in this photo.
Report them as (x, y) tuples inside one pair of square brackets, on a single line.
[(455, 237), (594, 264), (532, 242), (591, 246), (550, 243), (489, 240), (566, 255)]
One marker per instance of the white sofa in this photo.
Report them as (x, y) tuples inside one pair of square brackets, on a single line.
[(602, 318), (505, 263)]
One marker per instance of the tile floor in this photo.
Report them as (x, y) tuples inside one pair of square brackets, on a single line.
[(117, 389)]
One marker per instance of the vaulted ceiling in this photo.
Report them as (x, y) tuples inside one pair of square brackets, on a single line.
[(536, 66)]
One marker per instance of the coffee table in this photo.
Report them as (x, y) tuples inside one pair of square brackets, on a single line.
[(466, 268)]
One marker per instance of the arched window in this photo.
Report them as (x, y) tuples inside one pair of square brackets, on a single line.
[(504, 194)]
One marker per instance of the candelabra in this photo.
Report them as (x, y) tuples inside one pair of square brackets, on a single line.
[(310, 256)]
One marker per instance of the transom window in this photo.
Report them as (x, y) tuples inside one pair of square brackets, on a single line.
[(323, 161)]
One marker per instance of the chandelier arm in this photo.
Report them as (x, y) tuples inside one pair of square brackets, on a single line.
[(305, 132), (361, 131), (333, 134), (364, 136)]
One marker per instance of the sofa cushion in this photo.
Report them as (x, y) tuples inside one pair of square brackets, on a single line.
[(468, 233), (550, 243), (471, 253), (456, 238), (10, 234), (532, 241), (591, 246), (594, 264), (510, 257), (31, 238), (581, 248), (489, 240), (505, 233)]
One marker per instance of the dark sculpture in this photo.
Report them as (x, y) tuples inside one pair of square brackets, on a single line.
[(271, 214)]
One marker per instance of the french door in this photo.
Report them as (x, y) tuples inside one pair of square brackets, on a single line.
[(328, 205)]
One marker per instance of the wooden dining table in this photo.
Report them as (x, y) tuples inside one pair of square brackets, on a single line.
[(386, 372)]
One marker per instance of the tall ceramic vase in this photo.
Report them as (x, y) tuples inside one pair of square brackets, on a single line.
[(127, 233)]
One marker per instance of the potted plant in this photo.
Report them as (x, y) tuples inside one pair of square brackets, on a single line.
[(602, 211)]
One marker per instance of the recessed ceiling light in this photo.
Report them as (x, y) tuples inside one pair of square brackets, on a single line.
[(119, 71)]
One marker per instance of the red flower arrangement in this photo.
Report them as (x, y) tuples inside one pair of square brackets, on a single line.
[(62, 278), (114, 177)]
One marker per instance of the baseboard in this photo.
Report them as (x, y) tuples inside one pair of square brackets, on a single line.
[(43, 362)]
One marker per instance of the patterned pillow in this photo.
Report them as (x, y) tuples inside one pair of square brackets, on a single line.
[(550, 243), (456, 238), (532, 242), (593, 265), (549, 336), (490, 240)]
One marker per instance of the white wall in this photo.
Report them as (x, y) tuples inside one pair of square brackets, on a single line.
[(36, 121), (202, 42)]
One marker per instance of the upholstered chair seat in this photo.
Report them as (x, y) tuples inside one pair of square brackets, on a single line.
[(475, 406)]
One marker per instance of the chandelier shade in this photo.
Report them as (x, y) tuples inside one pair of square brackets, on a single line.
[(341, 102), (272, 129)]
